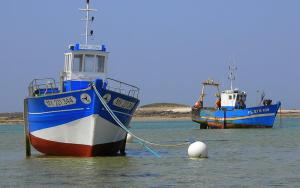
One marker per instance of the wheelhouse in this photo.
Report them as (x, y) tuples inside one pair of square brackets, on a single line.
[(85, 63), (232, 99)]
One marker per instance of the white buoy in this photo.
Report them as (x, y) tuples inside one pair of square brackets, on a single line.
[(197, 150), (129, 138)]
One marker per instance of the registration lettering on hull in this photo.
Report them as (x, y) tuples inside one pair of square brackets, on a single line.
[(122, 103), (59, 102)]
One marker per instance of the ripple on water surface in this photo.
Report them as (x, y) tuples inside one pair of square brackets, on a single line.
[(237, 158)]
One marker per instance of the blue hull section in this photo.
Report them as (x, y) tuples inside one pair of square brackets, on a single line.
[(54, 110), (255, 117)]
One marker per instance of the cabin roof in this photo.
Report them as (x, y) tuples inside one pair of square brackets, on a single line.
[(233, 91), (87, 47)]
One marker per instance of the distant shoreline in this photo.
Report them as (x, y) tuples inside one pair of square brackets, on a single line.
[(151, 112), (186, 116)]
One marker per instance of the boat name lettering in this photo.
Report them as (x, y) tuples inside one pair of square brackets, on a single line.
[(258, 111), (123, 103), (60, 102)]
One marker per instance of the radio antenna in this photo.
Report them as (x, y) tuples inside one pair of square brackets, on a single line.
[(231, 76), (88, 19)]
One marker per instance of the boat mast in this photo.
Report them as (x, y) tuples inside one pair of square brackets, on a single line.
[(231, 76), (87, 19)]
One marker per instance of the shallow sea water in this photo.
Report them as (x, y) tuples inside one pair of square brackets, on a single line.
[(237, 158)]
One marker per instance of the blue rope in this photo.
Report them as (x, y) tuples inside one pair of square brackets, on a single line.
[(140, 141)]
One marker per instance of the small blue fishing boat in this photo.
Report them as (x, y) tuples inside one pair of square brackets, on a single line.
[(231, 111), (69, 117)]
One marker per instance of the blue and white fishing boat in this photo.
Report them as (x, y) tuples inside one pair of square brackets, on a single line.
[(69, 118), (231, 111)]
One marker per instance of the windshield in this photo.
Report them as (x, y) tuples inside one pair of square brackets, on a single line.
[(77, 63), (88, 63)]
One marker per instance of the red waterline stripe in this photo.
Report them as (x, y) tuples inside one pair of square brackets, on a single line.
[(214, 125), (66, 149)]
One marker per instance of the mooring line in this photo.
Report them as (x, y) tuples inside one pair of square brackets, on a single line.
[(141, 141)]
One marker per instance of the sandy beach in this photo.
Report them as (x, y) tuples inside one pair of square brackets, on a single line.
[(11, 118), (151, 112), (162, 112), (169, 112)]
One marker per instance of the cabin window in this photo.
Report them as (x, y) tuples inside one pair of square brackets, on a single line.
[(69, 62), (233, 96), (66, 63), (100, 63), (238, 97), (89, 63), (77, 63), (230, 97)]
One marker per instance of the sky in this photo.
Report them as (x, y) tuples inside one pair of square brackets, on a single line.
[(166, 48)]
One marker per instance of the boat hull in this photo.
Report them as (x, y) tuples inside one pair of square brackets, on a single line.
[(77, 124), (255, 117), (67, 149)]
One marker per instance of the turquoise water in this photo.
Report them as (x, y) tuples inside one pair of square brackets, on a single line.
[(237, 158)]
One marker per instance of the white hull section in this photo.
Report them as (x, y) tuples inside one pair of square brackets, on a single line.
[(91, 130)]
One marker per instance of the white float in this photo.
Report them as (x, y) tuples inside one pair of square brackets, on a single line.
[(129, 138), (197, 150)]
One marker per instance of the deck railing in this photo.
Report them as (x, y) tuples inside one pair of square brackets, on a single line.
[(43, 86), (122, 87), (48, 86)]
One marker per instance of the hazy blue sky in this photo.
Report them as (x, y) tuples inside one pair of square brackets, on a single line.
[(166, 47)]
